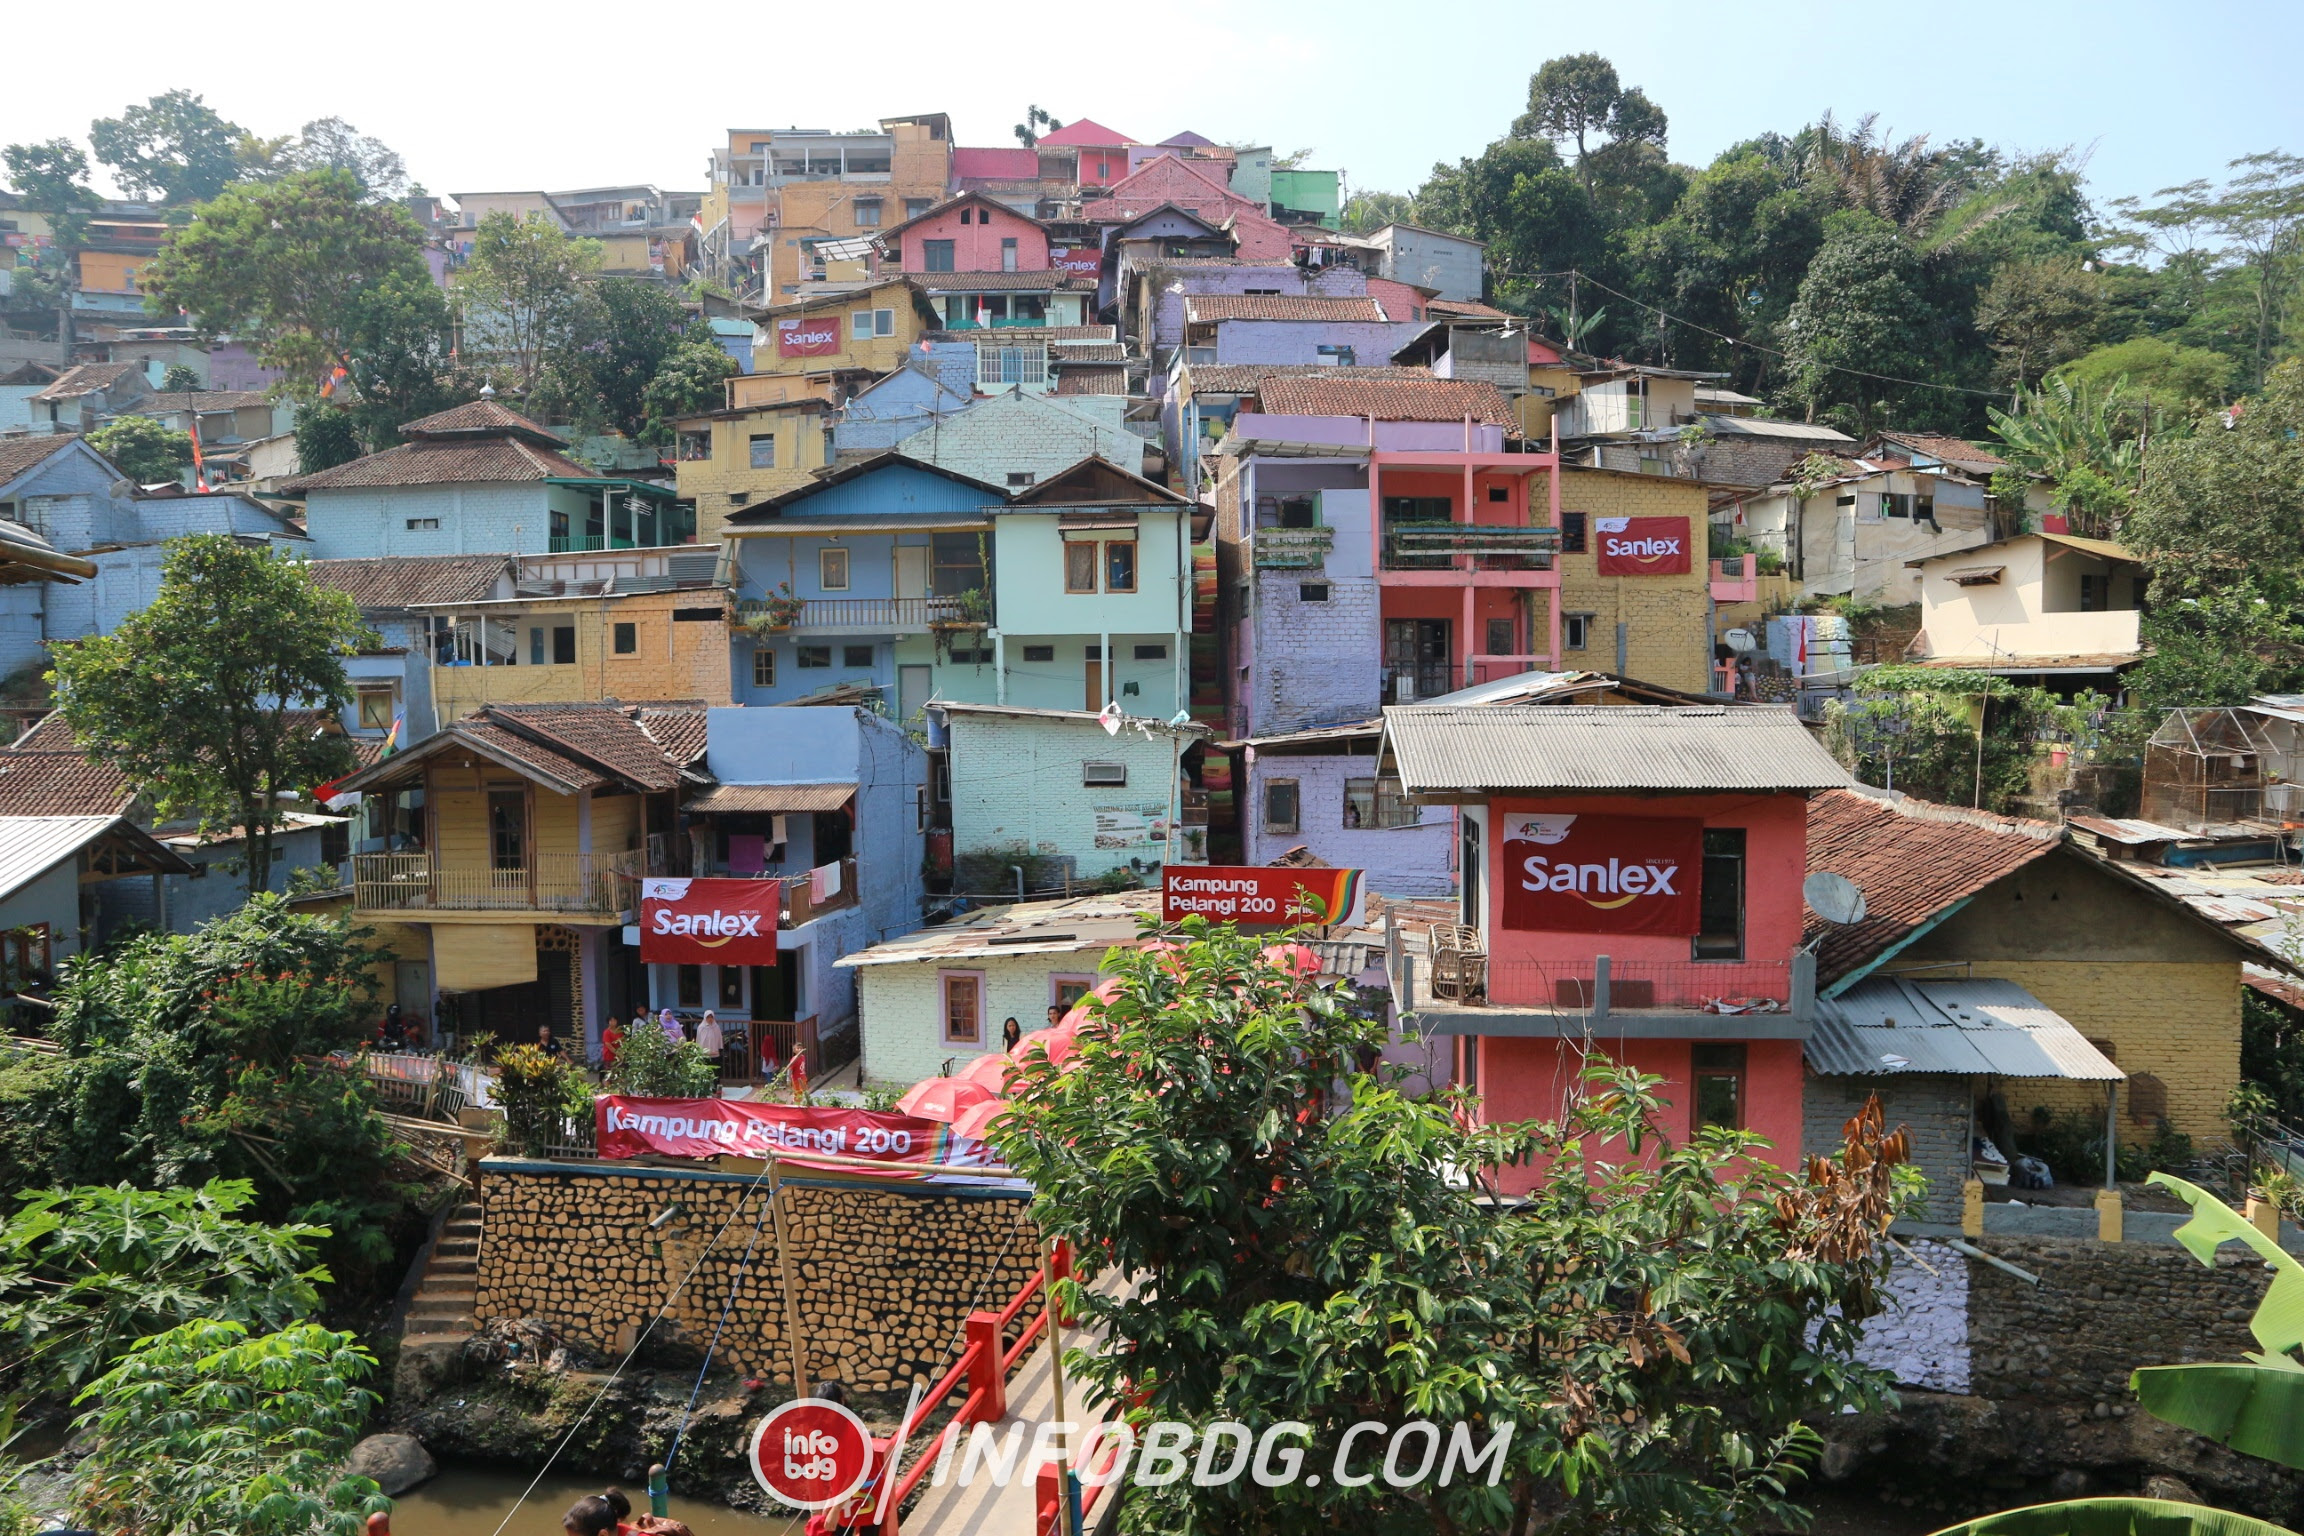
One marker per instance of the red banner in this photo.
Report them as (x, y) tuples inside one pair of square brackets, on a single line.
[(709, 922), (1643, 546), (1078, 263), (1253, 894), (629, 1127), (808, 336), (1602, 874)]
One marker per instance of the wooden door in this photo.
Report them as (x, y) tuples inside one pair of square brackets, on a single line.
[(911, 570), (1095, 680)]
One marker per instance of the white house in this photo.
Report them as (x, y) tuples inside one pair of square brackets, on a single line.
[(2051, 606)]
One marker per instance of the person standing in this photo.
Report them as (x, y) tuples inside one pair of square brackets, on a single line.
[(709, 1038), (669, 1022), (611, 1041), (1011, 1035)]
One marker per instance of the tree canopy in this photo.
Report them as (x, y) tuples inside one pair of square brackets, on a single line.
[(175, 145), (143, 449)]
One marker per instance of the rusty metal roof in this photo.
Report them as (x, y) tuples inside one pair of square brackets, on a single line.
[(773, 798)]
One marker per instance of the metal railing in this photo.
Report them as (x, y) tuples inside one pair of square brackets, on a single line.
[(1612, 985), (1292, 549), (874, 615), (597, 883), (1468, 546)]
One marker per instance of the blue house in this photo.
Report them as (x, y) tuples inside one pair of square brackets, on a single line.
[(920, 394)]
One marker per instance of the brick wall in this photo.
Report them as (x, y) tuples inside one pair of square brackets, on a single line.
[(474, 520), (1317, 663), (1933, 1108), (883, 1280), (1024, 434), (1667, 641), (1400, 861)]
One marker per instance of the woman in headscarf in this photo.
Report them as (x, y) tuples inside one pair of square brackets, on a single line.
[(709, 1038), (669, 1022)]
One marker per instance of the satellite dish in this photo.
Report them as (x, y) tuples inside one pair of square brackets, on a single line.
[(1739, 640), (1834, 898)]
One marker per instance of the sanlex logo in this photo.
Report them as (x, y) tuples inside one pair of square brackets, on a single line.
[(1623, 882)]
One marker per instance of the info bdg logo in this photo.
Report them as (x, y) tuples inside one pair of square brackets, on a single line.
[(811, 1453)]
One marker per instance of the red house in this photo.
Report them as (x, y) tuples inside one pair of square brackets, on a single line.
[(968, 233), (1631, 883)]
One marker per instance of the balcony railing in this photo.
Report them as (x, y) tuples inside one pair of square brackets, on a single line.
[(599, 884), (1628, 990), (798, 903), (1292, 549), (864, 615), (1468, 546)]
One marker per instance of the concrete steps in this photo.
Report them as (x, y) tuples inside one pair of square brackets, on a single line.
[(441, 1311)]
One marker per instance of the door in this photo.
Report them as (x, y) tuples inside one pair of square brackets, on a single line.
[(912, 685), (1095, 678), (1416, 659), (911, 570)]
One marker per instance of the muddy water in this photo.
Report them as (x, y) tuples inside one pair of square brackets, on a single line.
[(473, 1501)]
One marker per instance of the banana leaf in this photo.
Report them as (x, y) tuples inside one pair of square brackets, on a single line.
[(2256, 1409), (2279, 1321), (2115, 1517)]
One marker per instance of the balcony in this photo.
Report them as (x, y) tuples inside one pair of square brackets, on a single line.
[(598, 885), (1292, 549), (1468, 547), (1616, 998), (1736, 580), (863, 615), (797, 904)]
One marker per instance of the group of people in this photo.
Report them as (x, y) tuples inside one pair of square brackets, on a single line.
[(708, 1035)]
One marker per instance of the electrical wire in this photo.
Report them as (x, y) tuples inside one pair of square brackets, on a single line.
[(727, 1304)]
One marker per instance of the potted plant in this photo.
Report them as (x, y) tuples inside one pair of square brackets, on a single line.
[(777, 611)]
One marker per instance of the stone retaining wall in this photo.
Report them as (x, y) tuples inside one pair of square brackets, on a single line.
[(884, 1278)]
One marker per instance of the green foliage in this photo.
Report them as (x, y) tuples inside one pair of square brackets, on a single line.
[(206, 1428), (143, 449), (402, 342), (691, 379), (332, 144), (287, 261), (1578, 98), (175, 145), (203, 699), (652, 1065), (2040, 312), (540, 1090), (1919, 730), (2086, 444), (179, 379), (1862, 310), (2114, 1517), (326, 436), (1293, 1251), (84, 1272), (2272, 1055), (630, 329), (2072, 1144), (2175, 381), (52, 176), (2229, 255), (1366, 212), (522, 295)]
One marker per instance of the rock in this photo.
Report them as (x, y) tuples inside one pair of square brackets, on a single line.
[(397, 1462), (2071, 1483), (2174, 1489)]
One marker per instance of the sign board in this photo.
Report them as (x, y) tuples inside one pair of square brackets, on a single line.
[(1079, 263), (709, 922), (630, 1127), (1602, 874), (1642, 546), (1257, 895), (808, 336), (1120, 827), (811, 1453)]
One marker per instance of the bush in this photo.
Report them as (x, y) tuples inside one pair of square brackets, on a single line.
[(652, 1065), (540, 1093), (2072, 1145)]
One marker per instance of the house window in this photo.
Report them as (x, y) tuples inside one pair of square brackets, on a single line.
[(508, 829), (1103, 773), (916, 206), (24, 954), (867, 212), (695, 447), (1338, 356), (1572, 532), (763, 667), (1720, 920), (1065, 992), (971, 656), (1575, 631), (564, 646), (1156, 651), (377, 708), (1312, 592), (2095, 593), (963, 1007), (1008, 253), (1501, 641), (856, 656), (535, 647), (627, 639), (1012, 365), (763, 450), (812, 657), (1283, 805), (1378, 803), (690, 985), (1021, 477), (1717, 1070), (1120, 566), (832, 569), (1039, 653), (863, 324), (731, 986), (1079, 567), (938, 256), (958, 564), (1895, 504), (423, 525), (967, 215)]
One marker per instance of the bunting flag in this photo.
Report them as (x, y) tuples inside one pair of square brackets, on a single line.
[(336, 375), (199, 461), (392, 737)]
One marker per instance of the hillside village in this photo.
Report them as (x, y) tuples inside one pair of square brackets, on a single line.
[(1022, 539)]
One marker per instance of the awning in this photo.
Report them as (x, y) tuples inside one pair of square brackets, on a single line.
[(1975, 575), (472, 957), (1888, 1025), (773, 799), (1070, 522)]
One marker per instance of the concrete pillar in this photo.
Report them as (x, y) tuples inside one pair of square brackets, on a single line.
[(2108, 1216), (1972, 1208)]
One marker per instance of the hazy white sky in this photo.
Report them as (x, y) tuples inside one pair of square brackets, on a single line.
[(484, 96)]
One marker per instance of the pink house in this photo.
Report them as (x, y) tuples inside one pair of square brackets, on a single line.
[(1632, 875), (1103, 152), (1199, 191), (969, 233)]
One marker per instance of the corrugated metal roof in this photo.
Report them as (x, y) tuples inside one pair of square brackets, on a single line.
[(1521, 685), (30, 846), (773, 798), (1577, 748), (1889, 1025), (1080, 925), (2129, 830)]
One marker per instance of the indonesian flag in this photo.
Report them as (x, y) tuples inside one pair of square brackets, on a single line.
[(336, 375), (199, 461)]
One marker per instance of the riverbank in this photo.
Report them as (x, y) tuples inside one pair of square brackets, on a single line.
[(474, 1500)]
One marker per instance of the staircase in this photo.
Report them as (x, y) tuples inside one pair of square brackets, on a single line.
[(441, 1310)]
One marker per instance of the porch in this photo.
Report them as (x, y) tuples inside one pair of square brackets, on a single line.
[(599, 887), (855, 615)]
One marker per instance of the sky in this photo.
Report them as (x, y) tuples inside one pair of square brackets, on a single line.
[(485, 96)]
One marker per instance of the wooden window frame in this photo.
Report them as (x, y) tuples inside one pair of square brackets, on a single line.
[(944, 984), (1295, 823), (1075, 557), (1112, 547), (763, 666), (826, 558)]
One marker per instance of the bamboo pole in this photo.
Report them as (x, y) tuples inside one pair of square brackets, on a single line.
[(785, 1279), (1064, 1455)]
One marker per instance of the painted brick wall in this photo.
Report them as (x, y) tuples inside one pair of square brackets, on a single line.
[(22, 641), (1667, 641), (901, 1007), (1023, 434), (1300, 341), (1400, 861), (1316, 663), (1017, 779), (1934, 1109), (474, 520)]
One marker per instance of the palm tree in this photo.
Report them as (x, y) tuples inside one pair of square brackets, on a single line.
[(2081, 442)]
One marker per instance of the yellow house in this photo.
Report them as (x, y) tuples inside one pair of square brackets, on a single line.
[(508, 851), (732, 458), (777, 194), (840, 329), (1654, 628), (113, 271), (581, 645)]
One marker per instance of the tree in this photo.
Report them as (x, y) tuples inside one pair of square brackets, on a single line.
[(1578, 97), (207, 1428), (1028, 131), (332, 144), (2176, 381), (143, 449), (650, 1064), (2246, 235), (84, 1272), (691, 379), (401, 342), (52, 178), (291, 261), (2082, 441), (541, 1092), (522, 297), (180, 378), (174, 144), (2224, 507), (1945, 736), (206, 699), (1366, 212), (1860, 324), (1300, 1247), (631, 328), (326, 436), (2040, 313)]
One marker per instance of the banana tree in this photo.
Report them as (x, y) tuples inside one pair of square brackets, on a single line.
[(2115, 1517)]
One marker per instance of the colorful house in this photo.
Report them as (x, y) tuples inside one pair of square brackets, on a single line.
[(839, 336), (968, 233), (728, 459), (1100, 154), (1631, 882)]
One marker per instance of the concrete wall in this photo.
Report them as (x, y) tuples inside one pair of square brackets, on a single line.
[(976, 245), (902, 1008), (1430, 260), (1018, 780), (1300, 341), (1932, 1107), (2011, 616), (474, 519)]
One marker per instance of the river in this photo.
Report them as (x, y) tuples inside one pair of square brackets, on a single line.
[(473, 1501)]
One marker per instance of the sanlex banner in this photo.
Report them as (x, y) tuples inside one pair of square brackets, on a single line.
[(1602, 874), (709, 922), (808, 336), (1642, 546)]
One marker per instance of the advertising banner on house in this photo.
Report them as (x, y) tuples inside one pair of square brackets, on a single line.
[(1258, 896), (630, 1127), (808, 336), (1642, 546), (1602, 874), (1079, 263), (709, 922)]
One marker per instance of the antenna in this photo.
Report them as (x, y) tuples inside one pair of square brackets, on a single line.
[(1834, 898)]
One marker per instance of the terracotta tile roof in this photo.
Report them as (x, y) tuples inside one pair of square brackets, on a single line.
[(61, 784), (1464, 309), (677, 730), (51, 734), (1033, 333), (451, 461), (1952, 450), (480, 418), (1090, 352), (605, 734), (1912, 859), (1093, 379), (412, 581), (1202, 308), (18, 454), (207, 399), (1386, 399), (87, 379), (518, 748), (1240, 378), (1050, 280)]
